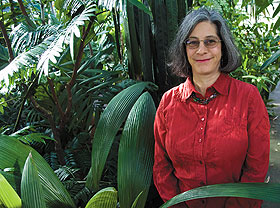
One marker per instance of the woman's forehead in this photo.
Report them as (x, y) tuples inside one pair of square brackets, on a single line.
[(204, 29)]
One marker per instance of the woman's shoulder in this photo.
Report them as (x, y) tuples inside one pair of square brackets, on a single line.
[(174, 93), (172, 96), (244, 86)]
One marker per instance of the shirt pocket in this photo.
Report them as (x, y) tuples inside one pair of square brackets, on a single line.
[(234, 124)]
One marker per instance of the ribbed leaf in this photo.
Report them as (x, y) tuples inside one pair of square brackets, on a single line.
[(172, 19), (133, 52), (135, 156), (135, 203), (107, 128), (141, 6), (31, 188), (263, 191), (271, 59), (145, 45), (181, 10), (161, 42), (14, 154), (105, 198), (8, 196)]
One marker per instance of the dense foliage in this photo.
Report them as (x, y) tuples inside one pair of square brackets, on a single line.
[(79, 84)]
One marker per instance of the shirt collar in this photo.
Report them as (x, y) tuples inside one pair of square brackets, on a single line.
[(221, 86)]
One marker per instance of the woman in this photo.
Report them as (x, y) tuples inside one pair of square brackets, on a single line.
[(212, 128)]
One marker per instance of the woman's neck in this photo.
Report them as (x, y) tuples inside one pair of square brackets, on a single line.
[(202, 82)]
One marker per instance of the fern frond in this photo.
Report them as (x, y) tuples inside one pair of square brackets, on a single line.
[(25, 37), (110, 4), (72, 5), (65, 172), (64, 39), (28, 58), (69, 158), (52, 160)]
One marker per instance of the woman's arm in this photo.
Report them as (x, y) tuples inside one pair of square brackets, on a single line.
[(164, 179), (257, 159)]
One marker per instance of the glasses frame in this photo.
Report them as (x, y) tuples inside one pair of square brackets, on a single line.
[(204, 42)]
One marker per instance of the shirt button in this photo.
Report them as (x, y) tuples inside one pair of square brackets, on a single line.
[(202, 183), (203, 201), (202, 119), (201, 128), (200, 140)]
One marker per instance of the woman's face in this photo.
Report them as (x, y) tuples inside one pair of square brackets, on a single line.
[(204, 60)]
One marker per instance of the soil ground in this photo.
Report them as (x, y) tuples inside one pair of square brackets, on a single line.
[(274, 165)]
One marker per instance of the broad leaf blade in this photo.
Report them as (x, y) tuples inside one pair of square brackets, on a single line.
[(31, 188), (141, 6), (14, 154), (8, 196), (107, 128), (271, 59), (105, 198), (263, 191), (135, 158)]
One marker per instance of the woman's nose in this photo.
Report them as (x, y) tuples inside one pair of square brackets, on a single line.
[(201, 48)]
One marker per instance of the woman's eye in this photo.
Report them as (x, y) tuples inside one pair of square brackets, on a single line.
[(211, 41), (194, 42)]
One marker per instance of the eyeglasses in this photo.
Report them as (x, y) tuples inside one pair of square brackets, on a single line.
[(193, 43)]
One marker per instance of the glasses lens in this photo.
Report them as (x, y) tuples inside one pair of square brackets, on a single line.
[(192, 43), (211, 42)]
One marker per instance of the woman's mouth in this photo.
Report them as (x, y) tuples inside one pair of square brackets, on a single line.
[(203, 60)]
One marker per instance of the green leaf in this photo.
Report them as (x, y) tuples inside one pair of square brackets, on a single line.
[(31, 188), (135, 158), (172, 19), (141, 6), (276, 11), (14, 154), (72, 46), (133, 51), (107, 128), (4, 57), (35, 137), (271, 59), (145, 45), (8, 196), (277, 24), (263, 191), (161, 42), (135, 203), (105, 198)]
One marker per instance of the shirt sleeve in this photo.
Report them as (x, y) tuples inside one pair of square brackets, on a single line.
[(256, 163), (164, 179)]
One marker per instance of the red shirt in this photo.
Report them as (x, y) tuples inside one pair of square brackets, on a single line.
[(225, 141)]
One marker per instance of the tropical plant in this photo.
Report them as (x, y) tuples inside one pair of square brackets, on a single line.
[(135, 154), (58, 67), (64, 65), (12, 167), (262, 191)]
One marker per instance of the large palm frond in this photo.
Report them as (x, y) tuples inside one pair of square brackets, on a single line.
[(110, 4), (64, 39), (28, 58), (25, 37)]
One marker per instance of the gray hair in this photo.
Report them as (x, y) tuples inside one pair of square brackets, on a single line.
[(179, 64)]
